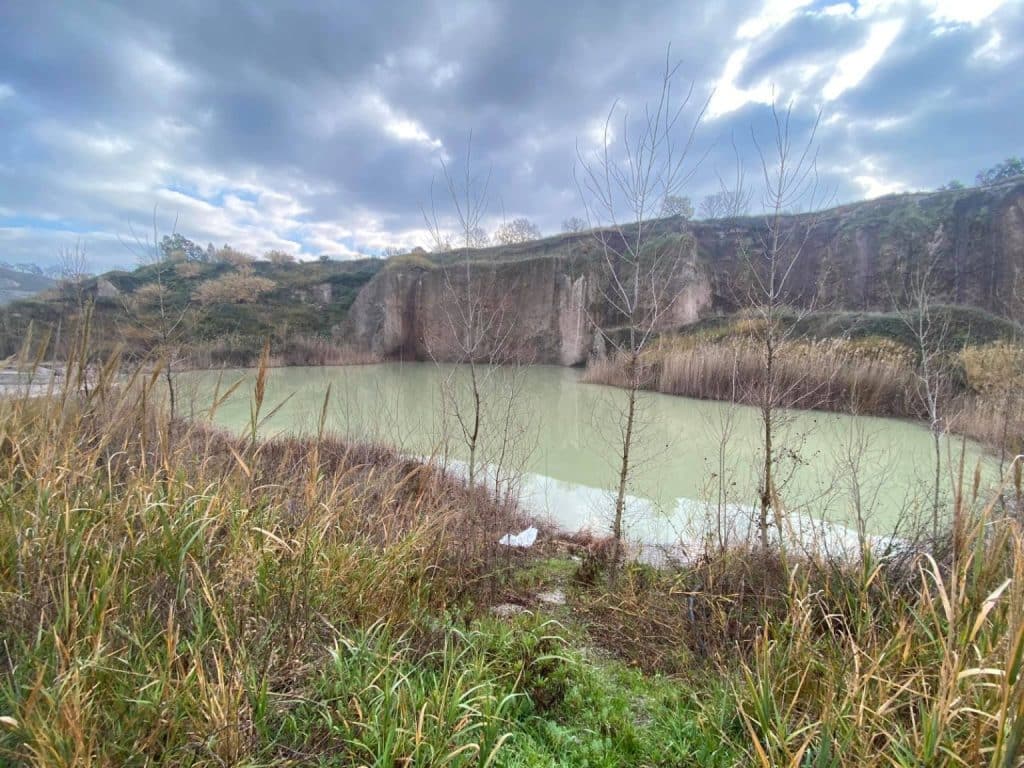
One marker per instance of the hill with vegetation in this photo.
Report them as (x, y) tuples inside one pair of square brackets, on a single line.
[(215, 312), (856, 261)]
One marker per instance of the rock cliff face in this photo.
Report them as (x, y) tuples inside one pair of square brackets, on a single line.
[(541, 296), (540, 308)]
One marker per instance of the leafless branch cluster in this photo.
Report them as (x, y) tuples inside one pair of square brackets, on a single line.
[(929, 331), (161, 322), (789, 174), (623, 185), (733, 197), (482, 394)]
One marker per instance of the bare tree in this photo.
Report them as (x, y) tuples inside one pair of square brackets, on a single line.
[(732, 199), (623, 185), (74, 271), (929, 332), (722, 205), (677, 205), (160, 318), (478, 238), (789, 171), (520, 230), (574, 224), (279, 257), (479, 395)]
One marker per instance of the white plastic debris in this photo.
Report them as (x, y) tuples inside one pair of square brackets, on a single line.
[(507, 610), (521, 540)]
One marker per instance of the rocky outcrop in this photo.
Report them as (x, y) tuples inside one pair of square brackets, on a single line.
[(537, 309), (106, 289), (543, 295)]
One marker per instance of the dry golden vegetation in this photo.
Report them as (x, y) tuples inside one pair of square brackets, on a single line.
[(174, 595), (871, 376), (238, 287), (300, 349), (831, 374)]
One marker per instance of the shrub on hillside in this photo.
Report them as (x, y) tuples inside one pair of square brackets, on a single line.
[(229, 255), (188, 269), (238, 287), (279, 257), (150, 295)]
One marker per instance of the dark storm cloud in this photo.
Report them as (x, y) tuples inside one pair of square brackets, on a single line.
[(318, 127)]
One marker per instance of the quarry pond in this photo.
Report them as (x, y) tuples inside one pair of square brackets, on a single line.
[(697, 461)]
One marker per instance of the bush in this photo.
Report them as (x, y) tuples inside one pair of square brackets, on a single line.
[(238, 287), (279, 257), (229, 255)]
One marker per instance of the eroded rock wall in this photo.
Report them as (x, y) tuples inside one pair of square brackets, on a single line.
[(540, 298)]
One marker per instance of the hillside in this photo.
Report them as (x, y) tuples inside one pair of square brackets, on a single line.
[(855, 260), (15, 284), (212, 308)]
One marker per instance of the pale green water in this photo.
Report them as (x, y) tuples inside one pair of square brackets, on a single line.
[(565, 435)]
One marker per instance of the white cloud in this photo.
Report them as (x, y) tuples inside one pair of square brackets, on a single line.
[(598, 131), (852, 68), (98, 142), (151, 66), (872, 180), (963, 11), (994, 51), (773, 15), (873, 186), (839, 9), (396, 124), (728, 96), (444, 73)]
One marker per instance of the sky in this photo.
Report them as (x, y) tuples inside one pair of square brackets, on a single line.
[(320, 127)]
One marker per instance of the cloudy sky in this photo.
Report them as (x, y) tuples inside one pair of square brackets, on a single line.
[(317, 127)]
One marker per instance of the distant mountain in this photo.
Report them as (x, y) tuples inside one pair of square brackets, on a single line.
[(18, 282)]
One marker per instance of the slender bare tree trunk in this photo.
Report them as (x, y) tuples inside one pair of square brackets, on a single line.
[(622, 189), (790, 181), (624, 465)]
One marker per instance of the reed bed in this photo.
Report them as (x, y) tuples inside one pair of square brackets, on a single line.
[(832, 375), (234, 351), (981, 387)]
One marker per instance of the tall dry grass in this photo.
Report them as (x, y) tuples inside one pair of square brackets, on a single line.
[(833, 375), (173, 595), (867, 377), (913, 659), (236, 351)]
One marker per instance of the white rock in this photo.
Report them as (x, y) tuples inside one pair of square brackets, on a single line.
[(507, 610), (555, 597)]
